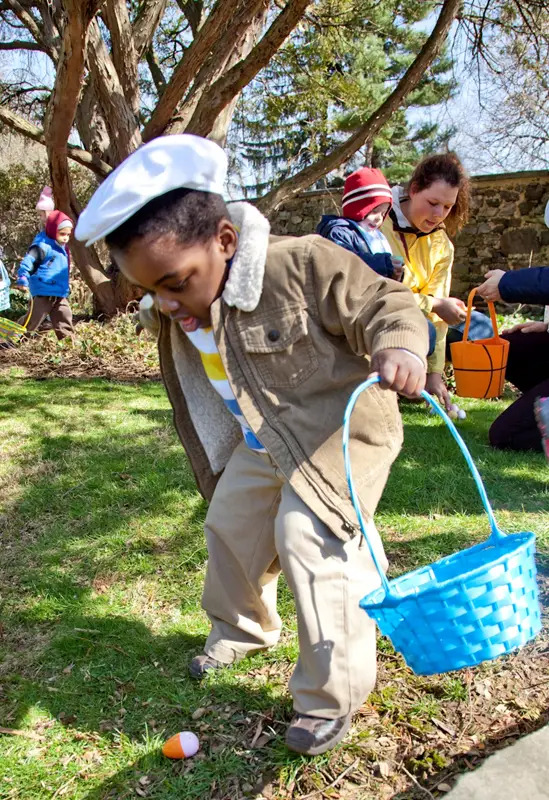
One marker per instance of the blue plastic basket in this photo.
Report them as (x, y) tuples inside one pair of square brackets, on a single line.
[(472, 606)]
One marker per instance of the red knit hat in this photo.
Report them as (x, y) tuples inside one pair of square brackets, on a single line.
[(364, 190), (57, 220)]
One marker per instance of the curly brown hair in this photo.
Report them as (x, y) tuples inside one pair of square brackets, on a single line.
[(445, 167)]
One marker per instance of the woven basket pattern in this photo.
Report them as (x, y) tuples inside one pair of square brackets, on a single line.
[(469, 607), (473, 606)]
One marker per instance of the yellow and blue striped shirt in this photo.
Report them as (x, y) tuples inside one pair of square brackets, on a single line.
[(204, 341)]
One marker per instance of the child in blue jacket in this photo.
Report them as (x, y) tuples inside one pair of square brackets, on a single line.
[(4, 284), (366, 202), (44, 272)]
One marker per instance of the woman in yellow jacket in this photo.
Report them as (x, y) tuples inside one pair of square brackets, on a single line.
[(435, 203)]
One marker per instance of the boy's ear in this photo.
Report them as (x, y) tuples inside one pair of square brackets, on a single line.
[(228, 238)]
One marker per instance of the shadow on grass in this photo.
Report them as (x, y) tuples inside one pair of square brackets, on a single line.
[(113, 677), (103, 514), (111, 505)]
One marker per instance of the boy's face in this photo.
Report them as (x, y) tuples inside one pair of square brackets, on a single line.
[(185, 280), (63, 236), (375, 218)]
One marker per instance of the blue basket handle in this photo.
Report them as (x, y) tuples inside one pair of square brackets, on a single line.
[(495, 535)]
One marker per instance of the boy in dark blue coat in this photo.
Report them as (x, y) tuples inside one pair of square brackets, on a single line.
[(366, 201), (44, 272)]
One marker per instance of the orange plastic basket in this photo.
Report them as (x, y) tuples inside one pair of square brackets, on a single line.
[(479, 367)]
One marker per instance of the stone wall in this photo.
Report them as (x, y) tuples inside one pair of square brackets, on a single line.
[(506, 229)]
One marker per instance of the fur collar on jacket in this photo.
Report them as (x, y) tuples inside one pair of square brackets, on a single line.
[(245, 282)]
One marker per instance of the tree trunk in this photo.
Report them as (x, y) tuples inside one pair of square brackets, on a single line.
[(59, 121)]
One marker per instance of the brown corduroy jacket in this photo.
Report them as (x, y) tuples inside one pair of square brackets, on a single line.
[(296, 325)]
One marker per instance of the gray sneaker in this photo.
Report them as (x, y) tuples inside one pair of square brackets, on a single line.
[(315, 735), (202, 664)]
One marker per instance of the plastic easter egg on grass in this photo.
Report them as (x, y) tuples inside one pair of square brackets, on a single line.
[(181, 745)]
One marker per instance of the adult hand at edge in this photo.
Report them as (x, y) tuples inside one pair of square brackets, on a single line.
[(489, 290), (529, 327)]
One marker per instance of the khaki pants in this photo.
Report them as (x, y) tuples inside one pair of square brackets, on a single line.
[(256, 526), (58, 310)]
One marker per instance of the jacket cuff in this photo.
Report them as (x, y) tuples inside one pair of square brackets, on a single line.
[(411, 339), (505, 290)]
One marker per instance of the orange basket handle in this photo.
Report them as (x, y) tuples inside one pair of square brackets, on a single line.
[(491, 309)]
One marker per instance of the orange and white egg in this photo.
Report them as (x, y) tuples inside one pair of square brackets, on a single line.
[(181, 745)]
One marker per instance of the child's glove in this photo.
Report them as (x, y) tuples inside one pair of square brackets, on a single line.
[(400, 370)]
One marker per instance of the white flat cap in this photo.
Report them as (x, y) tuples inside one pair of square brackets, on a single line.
[(547, 214), (166, 163)]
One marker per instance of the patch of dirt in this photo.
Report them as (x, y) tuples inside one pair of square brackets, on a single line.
[(99, 350), (413, 740)]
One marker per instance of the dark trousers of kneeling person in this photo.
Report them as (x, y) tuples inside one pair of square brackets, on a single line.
[(528, 370)]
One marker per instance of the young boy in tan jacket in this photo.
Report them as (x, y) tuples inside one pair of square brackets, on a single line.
[(262, 339)]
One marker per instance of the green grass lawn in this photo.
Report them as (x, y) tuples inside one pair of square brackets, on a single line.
[(101, 566)]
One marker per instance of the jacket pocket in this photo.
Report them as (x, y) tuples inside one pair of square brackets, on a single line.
[(280, 348)]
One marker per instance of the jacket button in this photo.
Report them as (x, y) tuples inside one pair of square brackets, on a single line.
[(273, 336)]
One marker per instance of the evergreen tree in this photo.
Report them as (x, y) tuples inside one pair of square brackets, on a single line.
[(339, 65)]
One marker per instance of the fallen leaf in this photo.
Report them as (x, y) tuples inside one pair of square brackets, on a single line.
[(68, 670), (443, 726), (144, 780), (92, 755), (197, 713), (66, 719), (444, 787), (26, 734), (383, 768), (257, 733)]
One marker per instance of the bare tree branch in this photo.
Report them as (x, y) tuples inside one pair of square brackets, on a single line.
[(369, 129), (25, 17), (156, 71), (145, 25), (221, 19), (59, 123), (226, 52), (30, 131), (124, 55), (230, 84), (193, 10), (21, 45)]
